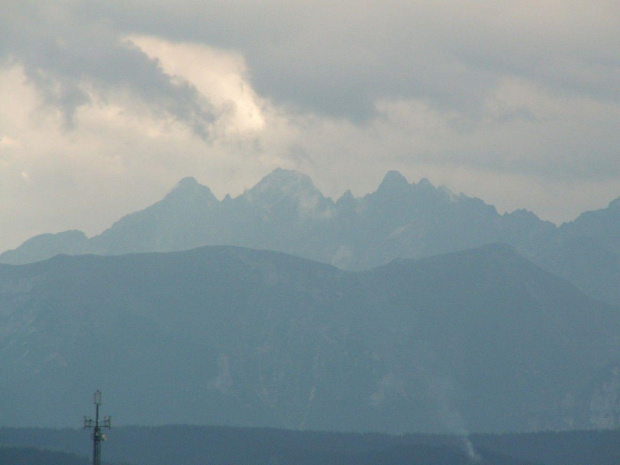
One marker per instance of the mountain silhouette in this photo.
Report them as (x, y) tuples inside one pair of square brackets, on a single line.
[(285, 212)]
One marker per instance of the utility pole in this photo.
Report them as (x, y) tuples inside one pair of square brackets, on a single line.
[(97, 426)]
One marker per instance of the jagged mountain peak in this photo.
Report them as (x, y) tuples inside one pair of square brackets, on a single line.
[(346, 198), (395, 184), (187, 182), (395, 190), (424, 182), (189, 189), (281, 184), (284, 179), (393, 181), (521, 213)]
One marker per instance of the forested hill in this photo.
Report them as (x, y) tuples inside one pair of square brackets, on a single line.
[(212, 445), (33, 456)]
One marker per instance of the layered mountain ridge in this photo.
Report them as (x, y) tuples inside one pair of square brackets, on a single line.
[(286, 212), (480, 340)]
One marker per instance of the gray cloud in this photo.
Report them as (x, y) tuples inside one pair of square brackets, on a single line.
[(333, 60), (338, 59), (515, 101), (66, 58)]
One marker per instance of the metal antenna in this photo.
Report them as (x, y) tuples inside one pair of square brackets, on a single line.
[(97, 426)]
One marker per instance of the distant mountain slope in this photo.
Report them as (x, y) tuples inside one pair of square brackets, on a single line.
[(479, 340), (180, 221), (603, 226), (46, 246), (588, 252), (286, 212)]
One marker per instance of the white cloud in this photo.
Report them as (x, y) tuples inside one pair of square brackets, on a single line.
[(221, 77)]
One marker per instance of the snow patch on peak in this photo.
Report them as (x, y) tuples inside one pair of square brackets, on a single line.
[(283, 184), (285, 181), (282, 187)]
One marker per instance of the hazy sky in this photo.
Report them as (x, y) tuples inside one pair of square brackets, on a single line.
[(106, 104)]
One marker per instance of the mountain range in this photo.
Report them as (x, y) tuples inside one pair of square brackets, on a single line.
[(478, 340), (285, 212)]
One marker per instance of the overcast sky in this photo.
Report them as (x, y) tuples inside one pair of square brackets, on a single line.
[(105, 105)]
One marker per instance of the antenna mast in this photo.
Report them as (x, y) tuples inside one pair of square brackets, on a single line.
[(97, 426)]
